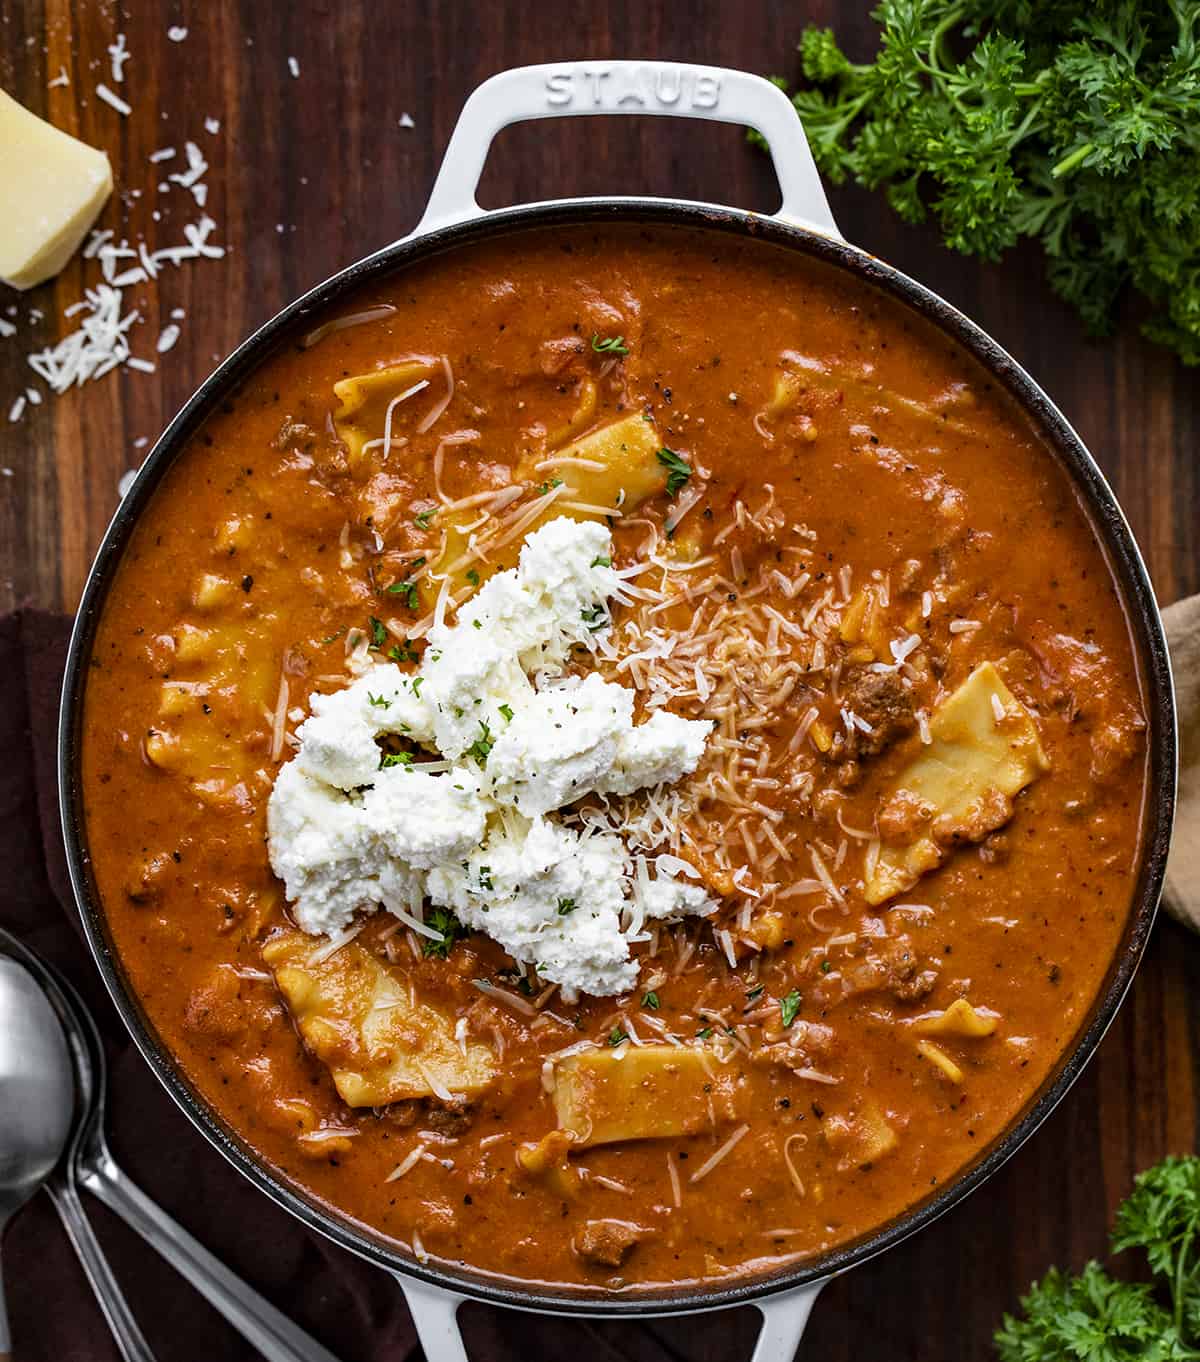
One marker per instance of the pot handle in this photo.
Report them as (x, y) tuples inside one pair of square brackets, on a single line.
[(566, 89), (435, 1314)]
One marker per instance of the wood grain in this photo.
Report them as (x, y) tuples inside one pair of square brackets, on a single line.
[(309, 173)]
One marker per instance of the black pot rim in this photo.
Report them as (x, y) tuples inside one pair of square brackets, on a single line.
[(1109, 524)]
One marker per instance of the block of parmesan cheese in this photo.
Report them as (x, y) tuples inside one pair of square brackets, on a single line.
[(52, 186)]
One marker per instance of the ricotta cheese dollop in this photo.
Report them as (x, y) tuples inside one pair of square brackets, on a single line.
[(507, 739)]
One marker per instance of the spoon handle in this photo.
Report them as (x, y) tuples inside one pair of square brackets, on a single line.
[(5, 1335), (125, 1330), (259, 1322)]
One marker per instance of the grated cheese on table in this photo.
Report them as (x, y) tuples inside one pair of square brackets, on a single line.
[(114, 101), (118, 55), (101, 340)]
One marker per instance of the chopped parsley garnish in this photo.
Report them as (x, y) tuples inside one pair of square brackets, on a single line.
[(753, 993), (442, 920), (395, 759), (421, 520), (408, 586), (333, 638), (477, 623), (616, 1036), (481, 748), (678, 470), (650, 1000), (546, 486), (566, 906), (407, 589), (378, 633), (789, 1007), (826, 966), (595, 617), (506, 710), (485, 877), (378, 701), (402, 652), (609, 345), (602, 561), (704, 1033), (472, 576)]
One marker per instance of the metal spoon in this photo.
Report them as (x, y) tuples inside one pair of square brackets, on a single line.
[(36, 1097), (259, 1322), (27, 985)]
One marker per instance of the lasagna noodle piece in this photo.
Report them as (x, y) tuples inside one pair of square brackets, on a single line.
[(985, 749), (642, 1092), (628, 473), (364, 401), (859, 1138), (356, 1015), (959, 1019)]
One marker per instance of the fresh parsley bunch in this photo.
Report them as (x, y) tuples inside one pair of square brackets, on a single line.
[(1097, 1317), (1076, 122)]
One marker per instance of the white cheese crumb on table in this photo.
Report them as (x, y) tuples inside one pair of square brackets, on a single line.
[(118, 55), (114, 101)]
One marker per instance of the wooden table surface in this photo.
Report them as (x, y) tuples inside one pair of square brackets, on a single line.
[(310, 171)]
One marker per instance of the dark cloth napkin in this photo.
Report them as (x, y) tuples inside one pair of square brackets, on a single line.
[(352, 1307)]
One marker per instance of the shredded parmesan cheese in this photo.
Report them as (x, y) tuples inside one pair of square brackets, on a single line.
[(722, 1153), (437, 410), (114, 101), (673, 1174)]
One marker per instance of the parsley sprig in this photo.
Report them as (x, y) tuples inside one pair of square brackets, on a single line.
[(1073, 123), (1099, 1317)]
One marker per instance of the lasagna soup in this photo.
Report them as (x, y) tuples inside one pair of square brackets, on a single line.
[(616, 760)]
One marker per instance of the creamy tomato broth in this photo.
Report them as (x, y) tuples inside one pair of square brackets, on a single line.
[(897, 857)]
